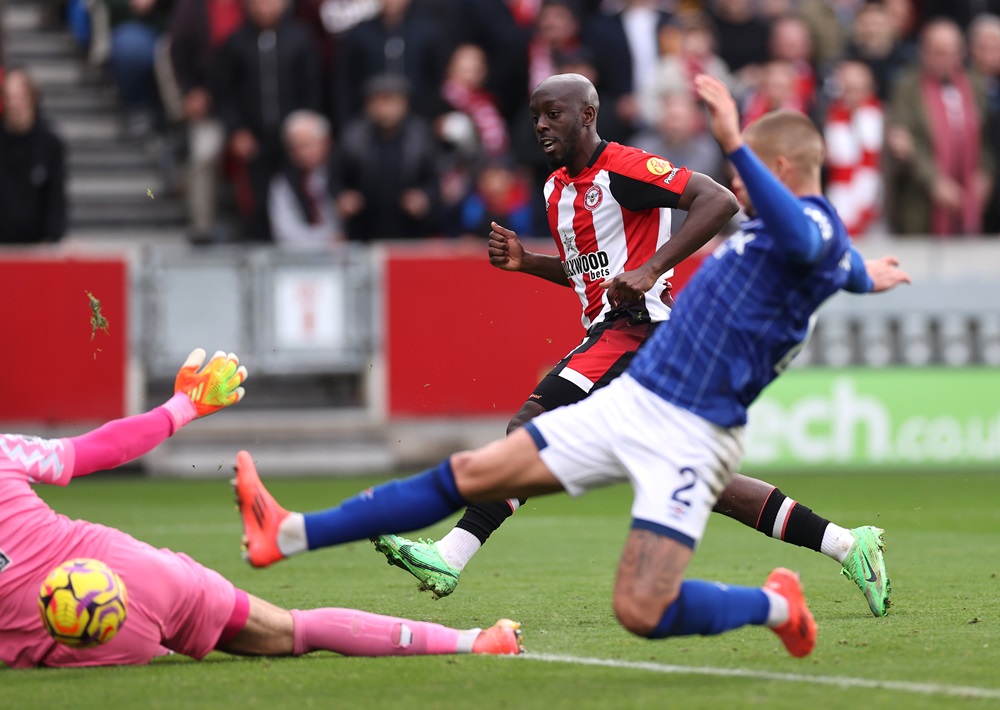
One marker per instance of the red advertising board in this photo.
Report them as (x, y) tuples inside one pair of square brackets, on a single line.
[(55, 368), (463, 337)]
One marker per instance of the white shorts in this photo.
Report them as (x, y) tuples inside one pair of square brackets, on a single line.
[(676, 462)]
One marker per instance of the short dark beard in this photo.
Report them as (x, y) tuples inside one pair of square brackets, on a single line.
[(569, 145)]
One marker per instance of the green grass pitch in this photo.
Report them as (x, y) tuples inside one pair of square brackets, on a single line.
[(552, 567)]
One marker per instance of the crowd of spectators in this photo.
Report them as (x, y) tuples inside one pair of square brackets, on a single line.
[(333, 120)]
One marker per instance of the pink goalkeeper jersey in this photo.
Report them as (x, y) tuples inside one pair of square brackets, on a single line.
[(173, 601), (33, 537)]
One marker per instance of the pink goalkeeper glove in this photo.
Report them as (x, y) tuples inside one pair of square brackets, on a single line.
[(214, 386)]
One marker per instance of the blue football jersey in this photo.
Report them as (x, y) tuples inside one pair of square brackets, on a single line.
[(742, 318)]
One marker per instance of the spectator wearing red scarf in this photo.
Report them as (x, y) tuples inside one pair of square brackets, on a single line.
[(941, 167), (853, 133)]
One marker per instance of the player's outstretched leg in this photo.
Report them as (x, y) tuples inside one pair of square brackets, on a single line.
[(762, 506), (652, 598), (710, 608), (438, 565), (269, 630), (359, 633), (272, 533)]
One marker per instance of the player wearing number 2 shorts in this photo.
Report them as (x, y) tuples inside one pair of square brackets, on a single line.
[(608, 209), (672, 424)]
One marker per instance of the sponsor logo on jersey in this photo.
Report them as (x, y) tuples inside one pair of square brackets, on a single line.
[(658, 166), (670, 176), (594, 264), (593, 198), (4, 561)]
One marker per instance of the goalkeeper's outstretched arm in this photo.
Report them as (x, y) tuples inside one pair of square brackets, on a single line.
[(198, 392)]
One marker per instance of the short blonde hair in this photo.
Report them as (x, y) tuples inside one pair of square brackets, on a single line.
[(788, 134)]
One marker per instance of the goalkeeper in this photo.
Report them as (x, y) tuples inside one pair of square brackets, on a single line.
[(175, 604)]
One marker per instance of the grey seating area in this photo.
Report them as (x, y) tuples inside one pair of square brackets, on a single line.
[(116, 187)]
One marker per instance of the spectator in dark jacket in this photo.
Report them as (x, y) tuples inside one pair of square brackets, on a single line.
[(385, 178), (32, 171), (626, 46), (400, 40), (741, 33), (267, 69), (197, 30)]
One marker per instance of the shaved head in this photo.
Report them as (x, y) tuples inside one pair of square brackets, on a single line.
[(564, 111), (573, 89)]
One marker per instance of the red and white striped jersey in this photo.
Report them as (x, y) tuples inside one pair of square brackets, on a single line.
[(853, 154), (611, 218)]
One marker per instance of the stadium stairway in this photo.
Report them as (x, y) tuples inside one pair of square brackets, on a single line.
[(109, 177)]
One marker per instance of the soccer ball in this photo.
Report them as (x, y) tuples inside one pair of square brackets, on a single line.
[(83, 603)]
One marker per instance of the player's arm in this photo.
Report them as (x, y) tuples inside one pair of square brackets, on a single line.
[(507, 253), (198, 392), (873, 275), (709, 205), (777, 207)]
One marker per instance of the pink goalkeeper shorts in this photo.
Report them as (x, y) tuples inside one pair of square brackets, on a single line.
[(175, 604)]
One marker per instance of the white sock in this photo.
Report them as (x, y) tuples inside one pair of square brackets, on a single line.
[(292, 535), (778, 613), (458, 547), (837, 542), (466, 639)]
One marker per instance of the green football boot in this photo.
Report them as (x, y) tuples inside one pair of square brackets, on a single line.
[(422, 560), (865, 565)]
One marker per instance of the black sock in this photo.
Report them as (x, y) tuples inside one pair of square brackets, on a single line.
[(785, 519), (481, 519)]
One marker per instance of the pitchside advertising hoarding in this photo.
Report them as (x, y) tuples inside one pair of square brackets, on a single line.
[(894, 418)]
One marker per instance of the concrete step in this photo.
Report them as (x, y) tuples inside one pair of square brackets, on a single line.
[(273, 460), (57, 74), (111, 157), (118, 238), (28, 47), (22, 18), (297, 442), (60, 105), (117, 213), (74, 127), (112, 185)]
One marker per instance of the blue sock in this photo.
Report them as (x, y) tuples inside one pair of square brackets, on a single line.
[(709, 608), (396, 506)]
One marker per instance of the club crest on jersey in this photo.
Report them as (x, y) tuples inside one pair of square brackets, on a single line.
[(593, 198), (658, 166)]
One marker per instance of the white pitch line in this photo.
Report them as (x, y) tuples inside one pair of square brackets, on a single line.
[(956, 691)]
